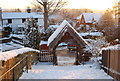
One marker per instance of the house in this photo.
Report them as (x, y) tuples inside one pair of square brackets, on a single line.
[(17, 19), (117, 12), (88, 19), (66, 33)]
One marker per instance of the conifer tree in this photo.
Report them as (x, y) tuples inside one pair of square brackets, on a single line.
[(32, 35)]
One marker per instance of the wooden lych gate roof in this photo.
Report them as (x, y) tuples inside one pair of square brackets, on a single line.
[(65, 32)]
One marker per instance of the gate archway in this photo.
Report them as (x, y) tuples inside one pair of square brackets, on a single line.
[(66, 33)]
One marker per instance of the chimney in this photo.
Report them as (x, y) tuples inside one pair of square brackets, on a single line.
[(0, 16), (28, 10)]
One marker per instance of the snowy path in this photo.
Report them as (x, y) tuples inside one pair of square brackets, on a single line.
[(64, 57), (42, 71), (65, 69)]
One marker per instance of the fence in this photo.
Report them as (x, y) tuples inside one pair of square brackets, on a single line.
[(13, 68), (45, 56), (111, 63)]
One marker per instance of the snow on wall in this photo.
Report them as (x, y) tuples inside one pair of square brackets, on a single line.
[(115, 47), (11, 54), (59, 29)]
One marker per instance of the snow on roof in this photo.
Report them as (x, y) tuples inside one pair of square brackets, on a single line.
[(53, 26), (12, 15), (55, 17), (59, 29), (21, 36), (9, 46), (43, 42), (54, 35), (11, 54), (115, 47), (97, 16), (21, 25), (90, 16)]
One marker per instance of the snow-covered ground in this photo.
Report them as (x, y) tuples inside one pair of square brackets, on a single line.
[(48, 71), (64, 60)]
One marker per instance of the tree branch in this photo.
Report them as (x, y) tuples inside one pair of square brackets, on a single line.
[(40, 2)]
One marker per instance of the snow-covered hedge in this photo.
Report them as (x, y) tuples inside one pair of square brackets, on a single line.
[(11, 54)]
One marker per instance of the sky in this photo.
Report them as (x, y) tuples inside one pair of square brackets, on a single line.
[(90, 4)]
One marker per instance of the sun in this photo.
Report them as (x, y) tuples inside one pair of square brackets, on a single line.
[(91, 4)]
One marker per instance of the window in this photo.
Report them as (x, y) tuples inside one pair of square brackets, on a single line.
[(9, 20), (23, 20), (36, 19)]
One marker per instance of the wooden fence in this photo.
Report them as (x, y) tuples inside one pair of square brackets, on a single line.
[(13, 68), (45, 56), (111, 63)]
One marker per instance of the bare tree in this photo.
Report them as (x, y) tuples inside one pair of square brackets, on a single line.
[(53, 6), (36, 7), (50, 7), (107, 20), (13, 10)]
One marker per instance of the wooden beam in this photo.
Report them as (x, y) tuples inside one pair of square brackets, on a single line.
[(54, 57)]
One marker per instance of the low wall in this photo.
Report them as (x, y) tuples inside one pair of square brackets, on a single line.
[(14, 67)]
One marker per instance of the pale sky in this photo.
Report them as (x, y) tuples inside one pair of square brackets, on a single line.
[(90, 4)]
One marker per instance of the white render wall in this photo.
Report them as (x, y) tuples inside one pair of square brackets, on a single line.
[(5, 21), (16, 22), (41, 22)]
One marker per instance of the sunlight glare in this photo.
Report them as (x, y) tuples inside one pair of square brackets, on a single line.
[(91, 4)]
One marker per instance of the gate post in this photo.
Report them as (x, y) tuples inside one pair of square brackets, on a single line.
[(54, 58), (77, 57)]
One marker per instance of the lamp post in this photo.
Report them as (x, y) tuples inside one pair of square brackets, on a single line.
[(45, 14)]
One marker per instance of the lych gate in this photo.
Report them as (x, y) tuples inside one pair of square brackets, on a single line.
[(66, 33)]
